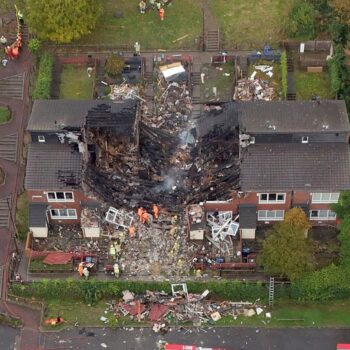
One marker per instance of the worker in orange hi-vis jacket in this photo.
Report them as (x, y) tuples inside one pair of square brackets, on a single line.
[(145, 217), (132, 231), (80, 269), (139, 213), (161, 13), (155, 210)]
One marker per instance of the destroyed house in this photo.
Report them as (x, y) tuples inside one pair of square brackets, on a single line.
[(292, 154), (58, 154)]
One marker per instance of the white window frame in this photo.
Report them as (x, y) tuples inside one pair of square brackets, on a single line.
[(65, 199), (272, 201), (41, 139), (328, 215), (305, 139), (64, 217), (325, 197), (272, 217)]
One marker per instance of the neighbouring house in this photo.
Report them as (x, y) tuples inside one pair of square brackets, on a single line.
[(292, 154), (57, 156)]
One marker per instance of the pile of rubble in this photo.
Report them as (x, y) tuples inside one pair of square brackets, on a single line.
[(162, 309), (157, 249), (253, 89), (123, 92), (69, 239)]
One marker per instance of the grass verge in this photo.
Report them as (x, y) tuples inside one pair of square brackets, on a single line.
[(5, 114), (22, 214), (10, 321), (308, 84), (75, 83), (250, 24), (182, 18), (284, 315)]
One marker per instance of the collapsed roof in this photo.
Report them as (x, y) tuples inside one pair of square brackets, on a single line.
[(55, 115)]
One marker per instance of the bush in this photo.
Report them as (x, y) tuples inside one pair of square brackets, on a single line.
[(334, 73), (344, 238), (34, 45), (44, 80), (330, 283), (284, 74), (302, 21), (114, 65)]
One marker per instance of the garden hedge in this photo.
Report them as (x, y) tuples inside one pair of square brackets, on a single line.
[(44, 80)]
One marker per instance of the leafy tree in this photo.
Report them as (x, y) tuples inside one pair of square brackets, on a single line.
[(303, 20), (62, 21), (342, 208), (34, 45), (296, 217), (342, 8), (286, 250), (114, 65)]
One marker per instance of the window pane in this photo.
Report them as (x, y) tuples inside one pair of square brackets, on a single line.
[(60, 195), (272, 196), (263, 196), (323, 213), (71, 212), (69, 195), (316, 196), (314, 213), (51, 195), (271, 214), (55, 212), (63, 212), (280, 197), (279, 214), (331, 214), (334, 197), (262, 214), (325, 197)]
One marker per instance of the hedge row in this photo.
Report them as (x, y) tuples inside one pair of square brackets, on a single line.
[(93, 290), (284, 74), (330, 283), (44, 81)]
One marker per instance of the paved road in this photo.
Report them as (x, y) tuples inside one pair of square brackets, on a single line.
[(230, 338), (7, 337)]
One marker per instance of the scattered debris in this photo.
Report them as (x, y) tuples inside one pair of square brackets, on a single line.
[(253, 89)]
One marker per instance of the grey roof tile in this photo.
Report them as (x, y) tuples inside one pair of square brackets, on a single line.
[(53, 167), (53, 115), (286, 167)]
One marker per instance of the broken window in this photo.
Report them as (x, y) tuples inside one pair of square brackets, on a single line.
[(63, 213), (322, 215), (60, 197), (325, 197), (271, 198), (119, 217)]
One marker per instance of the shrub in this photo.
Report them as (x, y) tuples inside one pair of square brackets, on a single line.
[(329, 283), (44, 80), (334, 73), (114, 65), (302, 20), (284, 74), (34, 45)]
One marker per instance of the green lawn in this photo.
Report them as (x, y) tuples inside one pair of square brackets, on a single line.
[(5, 115), (335, 314), (250, 24), (184, 17), (22, 214), (83, 314), (307, 84), (75, 83), (215, 77)]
